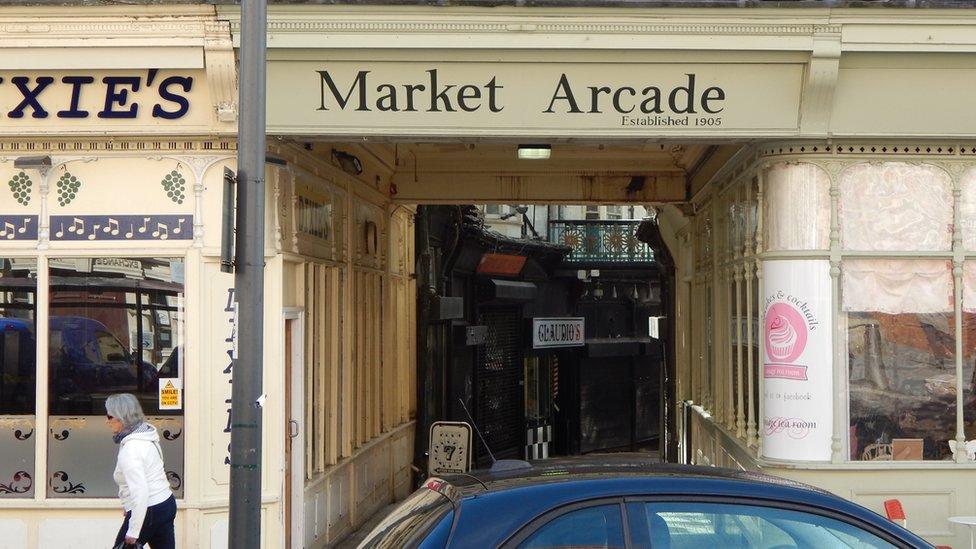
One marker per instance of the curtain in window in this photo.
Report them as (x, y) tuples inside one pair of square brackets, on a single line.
[(796, 214), (896, 286), (969, 287), (895, 206), (968, 209)]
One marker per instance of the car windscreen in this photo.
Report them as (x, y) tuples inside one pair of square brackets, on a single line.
[(408, 523)]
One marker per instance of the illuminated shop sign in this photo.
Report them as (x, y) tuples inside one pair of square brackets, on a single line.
[(557, 332)]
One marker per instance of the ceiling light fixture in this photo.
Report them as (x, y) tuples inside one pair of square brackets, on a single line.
[(349, 163), (534, 152)]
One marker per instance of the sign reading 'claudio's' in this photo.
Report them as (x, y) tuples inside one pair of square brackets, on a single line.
[(534, 98), (557, 332)]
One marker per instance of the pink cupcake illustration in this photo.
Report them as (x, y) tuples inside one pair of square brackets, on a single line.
[(786, 333), (782, 338)]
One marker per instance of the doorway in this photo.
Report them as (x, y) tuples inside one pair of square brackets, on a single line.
[(294, 427), (494, 275)]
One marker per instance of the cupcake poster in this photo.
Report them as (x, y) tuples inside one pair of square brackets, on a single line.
[(797, 364)]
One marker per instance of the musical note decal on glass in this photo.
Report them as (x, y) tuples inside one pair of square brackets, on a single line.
[(19, 227), (104, 227)]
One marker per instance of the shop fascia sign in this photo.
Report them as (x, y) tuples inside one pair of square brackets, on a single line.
[(511, 98), (433, 94), (557, 332), (71, 96)]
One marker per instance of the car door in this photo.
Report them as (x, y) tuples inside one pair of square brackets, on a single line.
[(738, 524), (594, 524)]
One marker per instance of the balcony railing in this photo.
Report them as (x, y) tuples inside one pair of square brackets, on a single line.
[(601, 241)]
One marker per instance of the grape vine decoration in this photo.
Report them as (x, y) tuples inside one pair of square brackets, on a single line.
[(175, 186), (21, 187), (68, 186)]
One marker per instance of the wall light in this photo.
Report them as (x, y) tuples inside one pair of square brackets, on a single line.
[(534, 152), (32, 162), (349, 163)]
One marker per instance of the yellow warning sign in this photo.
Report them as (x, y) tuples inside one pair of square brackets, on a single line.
[(169, 393)]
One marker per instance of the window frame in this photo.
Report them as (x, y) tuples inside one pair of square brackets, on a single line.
[(42, 303), (775, 504), (528, 529)]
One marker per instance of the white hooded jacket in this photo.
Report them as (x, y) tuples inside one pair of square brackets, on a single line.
[(140, 475)]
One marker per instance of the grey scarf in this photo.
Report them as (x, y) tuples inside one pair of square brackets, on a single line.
[(129, 429)]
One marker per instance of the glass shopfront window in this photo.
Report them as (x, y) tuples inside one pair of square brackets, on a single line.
[(18, 312), (901, 349), (900, 312), (115, 326), (969, 355)]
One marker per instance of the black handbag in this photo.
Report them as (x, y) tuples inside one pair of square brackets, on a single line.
[(123, 545)]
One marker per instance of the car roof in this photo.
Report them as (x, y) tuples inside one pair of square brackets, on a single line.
[(75, 323), (20, 324), (491, 502), (596, 466)]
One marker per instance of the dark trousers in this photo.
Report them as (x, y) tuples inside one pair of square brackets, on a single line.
[(157, 528)]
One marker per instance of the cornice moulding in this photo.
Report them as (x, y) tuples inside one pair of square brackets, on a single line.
[(100, 26), (102, 12), (302, 26)]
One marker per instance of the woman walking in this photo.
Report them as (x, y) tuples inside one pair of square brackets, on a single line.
[(148, 503)]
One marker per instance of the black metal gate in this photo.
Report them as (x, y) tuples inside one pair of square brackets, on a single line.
[(499, 384)]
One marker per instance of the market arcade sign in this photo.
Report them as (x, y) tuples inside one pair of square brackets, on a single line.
[(434, 96), (479, 98)]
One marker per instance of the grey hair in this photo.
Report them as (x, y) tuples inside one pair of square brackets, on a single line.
[(125, 407)]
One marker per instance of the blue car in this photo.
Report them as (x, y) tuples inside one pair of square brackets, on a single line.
[(620, 501), (87, 362), (87, 359)]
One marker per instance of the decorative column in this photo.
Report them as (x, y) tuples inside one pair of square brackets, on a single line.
[(731, 378), (740, 420), (958, 257), (729, 315), (840, 429), (760, 412), (748, 245), (689, 316), (718, 317), (44, 219), (709, 316)]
